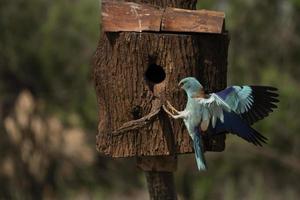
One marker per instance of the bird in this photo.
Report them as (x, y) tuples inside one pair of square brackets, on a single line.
[(232, 110)]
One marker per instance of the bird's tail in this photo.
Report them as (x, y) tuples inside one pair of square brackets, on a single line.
[(199, 155)]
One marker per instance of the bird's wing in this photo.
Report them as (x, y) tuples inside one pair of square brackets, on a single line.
[(211, 109), (233, 123), (252, 103)]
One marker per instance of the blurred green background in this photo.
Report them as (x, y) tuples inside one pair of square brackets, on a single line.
[(48, 110)]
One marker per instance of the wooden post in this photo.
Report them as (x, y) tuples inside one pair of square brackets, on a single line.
[(161, 185)]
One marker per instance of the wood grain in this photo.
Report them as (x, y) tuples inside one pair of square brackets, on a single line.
[(129, 16), (198, 21)]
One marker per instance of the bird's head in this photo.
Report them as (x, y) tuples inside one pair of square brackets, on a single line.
[(191, 86)]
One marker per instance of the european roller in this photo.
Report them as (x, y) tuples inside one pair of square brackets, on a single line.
[(232, 110)]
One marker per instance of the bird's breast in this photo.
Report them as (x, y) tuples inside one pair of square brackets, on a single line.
[(194, 115)]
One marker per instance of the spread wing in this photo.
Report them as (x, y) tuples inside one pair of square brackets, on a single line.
[(236, 125), (216, 114), (210, 110), (252, 103)]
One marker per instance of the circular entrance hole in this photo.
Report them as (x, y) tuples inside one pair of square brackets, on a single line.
[(155, 74)]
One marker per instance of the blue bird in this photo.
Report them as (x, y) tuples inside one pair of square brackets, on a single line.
[(233, 110)]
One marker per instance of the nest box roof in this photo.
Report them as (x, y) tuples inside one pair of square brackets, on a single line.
[(128, 16)]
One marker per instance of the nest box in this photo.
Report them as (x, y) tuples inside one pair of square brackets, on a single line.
[(143, 53)]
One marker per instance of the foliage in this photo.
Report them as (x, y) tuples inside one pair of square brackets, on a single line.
[(43, 153), (46, 48)]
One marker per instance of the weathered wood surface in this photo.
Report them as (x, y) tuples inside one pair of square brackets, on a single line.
[(198, 21), (120, 63), (129, 16)]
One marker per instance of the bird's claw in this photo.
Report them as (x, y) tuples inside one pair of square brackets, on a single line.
[(175, 114), (175, 111), (167, 111)]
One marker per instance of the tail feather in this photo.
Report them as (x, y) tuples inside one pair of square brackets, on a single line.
[(199, 155)]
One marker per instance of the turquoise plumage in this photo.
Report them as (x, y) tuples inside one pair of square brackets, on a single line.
[(231, 110)]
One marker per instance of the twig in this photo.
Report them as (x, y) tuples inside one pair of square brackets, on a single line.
[(137, 124)]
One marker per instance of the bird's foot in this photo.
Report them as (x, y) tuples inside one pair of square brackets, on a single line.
[(174, 110), (168, 112)]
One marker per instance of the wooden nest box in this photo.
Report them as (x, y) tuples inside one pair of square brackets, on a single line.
[(143, 53)]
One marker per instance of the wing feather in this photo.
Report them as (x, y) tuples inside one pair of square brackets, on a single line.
[(252, 103), (211, 110), (236, 125)]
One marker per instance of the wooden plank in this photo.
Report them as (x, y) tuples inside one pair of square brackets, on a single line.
[(199, 21), (128, 16)]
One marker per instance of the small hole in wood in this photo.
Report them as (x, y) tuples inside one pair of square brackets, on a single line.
[(136, 112), (155, 74)]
